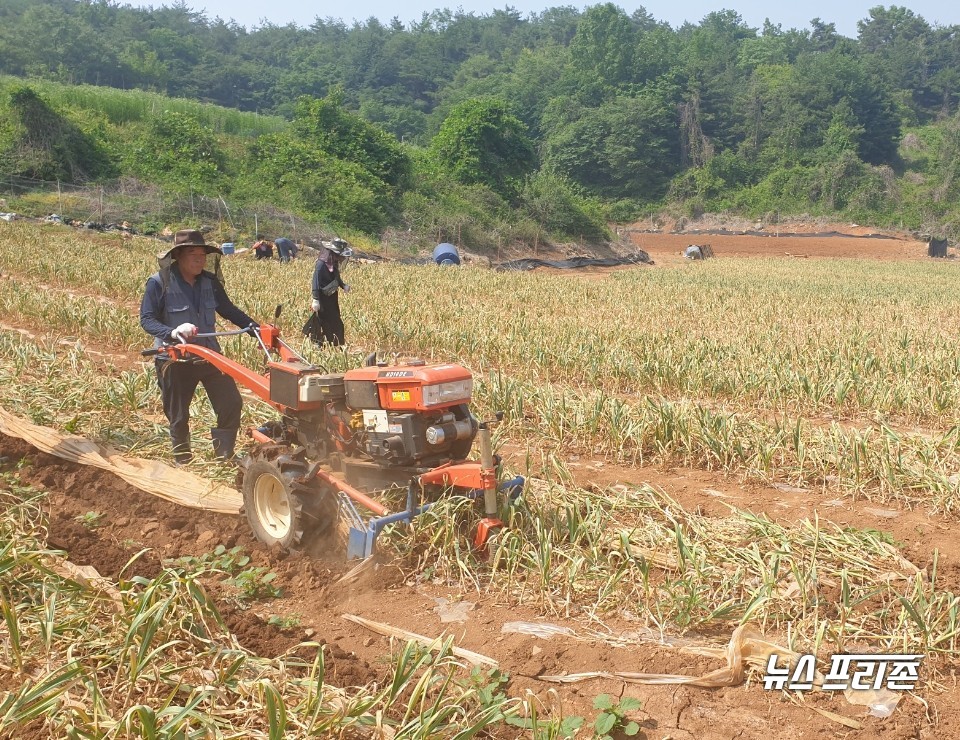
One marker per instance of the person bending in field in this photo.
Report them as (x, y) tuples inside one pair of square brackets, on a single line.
[(286, 249), (263, 249), (181, 301)]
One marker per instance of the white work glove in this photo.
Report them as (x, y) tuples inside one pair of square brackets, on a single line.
[(346, 288), (184, 332), (314, 305)]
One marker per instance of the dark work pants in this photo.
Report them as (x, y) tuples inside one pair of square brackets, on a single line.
[(178, 382), (332, 326)]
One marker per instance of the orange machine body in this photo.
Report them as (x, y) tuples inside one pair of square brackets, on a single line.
[(401, 387), (375, 427)]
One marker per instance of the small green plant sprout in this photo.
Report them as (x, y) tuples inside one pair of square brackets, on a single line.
[(255, 583), (613, 716), (546, 728), (570, 726), (90, 520), (284, 623), (489, 686), (229, 561), (73, 426)]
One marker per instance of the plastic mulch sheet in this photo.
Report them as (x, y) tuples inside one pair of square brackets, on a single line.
[(151, 476), (531, 263)]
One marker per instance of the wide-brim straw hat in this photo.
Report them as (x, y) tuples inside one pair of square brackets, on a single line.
[(188, 238), (339, 247)]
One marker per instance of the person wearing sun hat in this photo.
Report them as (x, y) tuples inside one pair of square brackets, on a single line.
[(182, 300), (325, 323)]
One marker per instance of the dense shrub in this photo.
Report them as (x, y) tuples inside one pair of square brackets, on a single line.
[(176, 150), (38, 141)]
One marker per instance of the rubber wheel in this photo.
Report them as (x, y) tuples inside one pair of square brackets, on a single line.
[(282, 511)]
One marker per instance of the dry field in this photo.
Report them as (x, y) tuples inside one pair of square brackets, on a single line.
[(767, 439)]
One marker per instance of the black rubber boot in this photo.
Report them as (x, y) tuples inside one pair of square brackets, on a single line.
[(181, 453), (224, 442)]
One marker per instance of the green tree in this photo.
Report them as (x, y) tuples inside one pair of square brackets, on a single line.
[(945, 72), (824, 81), (481, 142), (554, 203), (713, 104), (901, 46), (328, 126), (177, 150), (843, 134), (331, 164), (626, 148), (294, 174), (655, 57), (602, 52), (793, 107)]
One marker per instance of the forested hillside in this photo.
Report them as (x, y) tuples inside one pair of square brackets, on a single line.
[(530, 127)]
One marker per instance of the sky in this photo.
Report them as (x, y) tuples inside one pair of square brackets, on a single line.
[(844, 15)]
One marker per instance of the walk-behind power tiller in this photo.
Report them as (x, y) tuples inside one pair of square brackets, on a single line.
[(344, 438)]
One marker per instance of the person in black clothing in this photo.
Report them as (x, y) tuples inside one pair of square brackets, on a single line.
[(326, 325), (181, 301)]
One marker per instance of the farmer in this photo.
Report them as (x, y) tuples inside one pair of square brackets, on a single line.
[(181, 301), (326, 325), (263, 249), (286, 249)]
